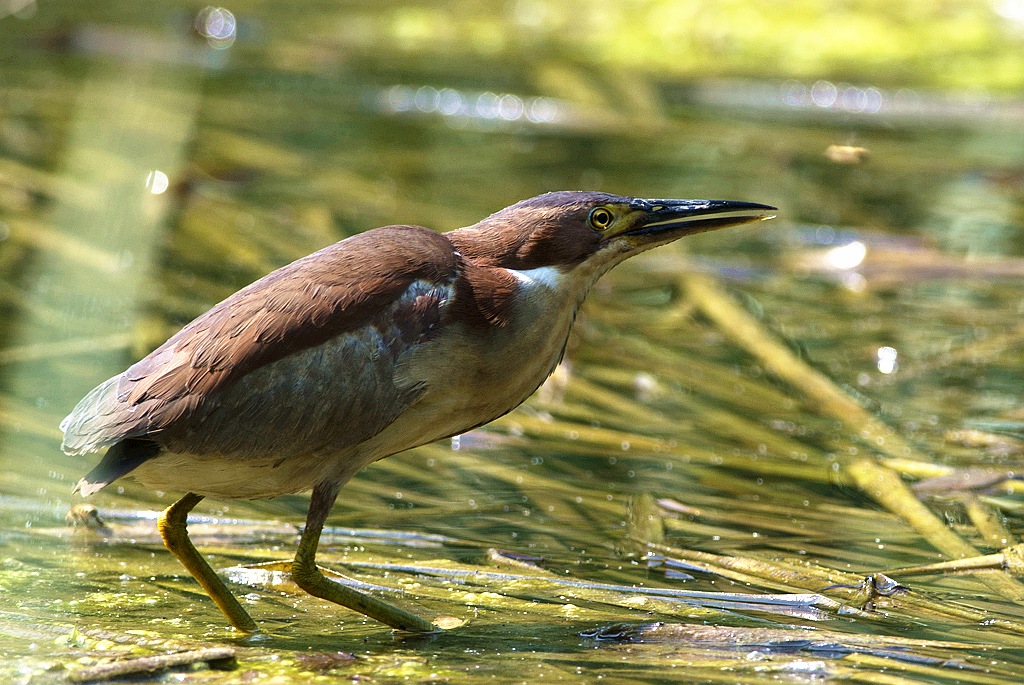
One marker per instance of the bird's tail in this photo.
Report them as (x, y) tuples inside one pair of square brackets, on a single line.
[(94, 422), (120, 459)]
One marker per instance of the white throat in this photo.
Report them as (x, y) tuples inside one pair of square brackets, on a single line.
[(541, 277)]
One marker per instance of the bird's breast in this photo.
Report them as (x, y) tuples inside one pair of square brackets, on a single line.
[(473, 375)]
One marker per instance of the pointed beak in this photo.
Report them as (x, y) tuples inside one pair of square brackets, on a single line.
[(664, 220)]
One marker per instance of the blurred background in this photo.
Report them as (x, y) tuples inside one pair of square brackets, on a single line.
[(155, 157)]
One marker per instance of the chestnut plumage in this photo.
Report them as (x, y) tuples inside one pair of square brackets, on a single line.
[(381, 342)]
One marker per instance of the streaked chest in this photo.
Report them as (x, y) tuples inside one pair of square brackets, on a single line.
[(473, 375)]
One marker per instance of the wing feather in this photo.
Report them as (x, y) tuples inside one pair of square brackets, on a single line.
[(395, 280)]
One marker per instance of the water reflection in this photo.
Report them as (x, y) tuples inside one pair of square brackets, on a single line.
[(869, 102), (486, 105), (217, 25), (848, 256), (887, 359), (157, 182), (828, 95)]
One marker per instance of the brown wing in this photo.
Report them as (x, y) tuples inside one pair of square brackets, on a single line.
[(396, 278)]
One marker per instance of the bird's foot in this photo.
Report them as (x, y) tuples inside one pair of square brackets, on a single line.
[(313, 579)]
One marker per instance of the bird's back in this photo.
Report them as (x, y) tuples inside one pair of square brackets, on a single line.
[(301, 361)]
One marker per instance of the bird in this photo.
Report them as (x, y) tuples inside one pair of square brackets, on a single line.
[(384, 341)]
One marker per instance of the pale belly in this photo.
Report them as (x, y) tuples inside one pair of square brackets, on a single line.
[(225, 478)]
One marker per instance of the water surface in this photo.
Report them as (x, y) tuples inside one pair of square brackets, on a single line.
[(146, 172)]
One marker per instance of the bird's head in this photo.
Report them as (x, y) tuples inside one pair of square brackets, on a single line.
[(590, 232)]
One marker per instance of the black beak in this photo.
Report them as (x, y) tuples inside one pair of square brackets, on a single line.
[(676, 218)]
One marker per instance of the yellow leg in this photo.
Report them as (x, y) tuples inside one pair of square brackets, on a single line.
[(172, 526), (307, 576)]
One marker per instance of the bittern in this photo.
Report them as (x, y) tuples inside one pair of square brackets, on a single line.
[(384, 341)]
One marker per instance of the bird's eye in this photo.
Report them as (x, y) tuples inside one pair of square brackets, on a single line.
[(600, 218)]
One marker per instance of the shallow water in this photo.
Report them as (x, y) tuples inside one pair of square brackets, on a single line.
[(662, 441)]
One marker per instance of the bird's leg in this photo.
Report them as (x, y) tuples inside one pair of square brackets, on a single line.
[(171, 523), (307, 576)]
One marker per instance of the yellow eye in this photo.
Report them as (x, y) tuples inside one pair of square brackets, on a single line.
[(600, 218)]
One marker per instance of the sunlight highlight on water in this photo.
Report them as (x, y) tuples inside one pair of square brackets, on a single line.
[(486, 105)]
